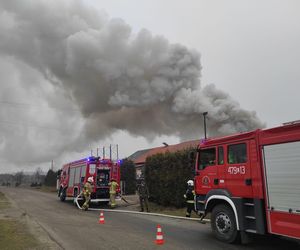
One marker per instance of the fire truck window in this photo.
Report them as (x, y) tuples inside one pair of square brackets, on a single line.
[(92, 169), (237, 153), (71, 179), (83, 170), (77, 175), (207, 158), (220, 156)]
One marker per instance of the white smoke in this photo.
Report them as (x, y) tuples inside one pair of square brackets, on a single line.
[(140, 83)]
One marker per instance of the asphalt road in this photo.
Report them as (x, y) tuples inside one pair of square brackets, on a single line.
[(73, 229)]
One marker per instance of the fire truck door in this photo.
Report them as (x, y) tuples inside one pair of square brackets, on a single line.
[(220, 180), (207, 170), (238, 179)]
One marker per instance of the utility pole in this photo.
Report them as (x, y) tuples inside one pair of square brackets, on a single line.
[(110, 152), (204, 116), (117, 152)]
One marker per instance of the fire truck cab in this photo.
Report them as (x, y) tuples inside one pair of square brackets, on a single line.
[(73, 176), (250, 182)]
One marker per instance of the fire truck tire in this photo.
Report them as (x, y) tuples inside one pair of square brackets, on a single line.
[(62, 194), (223, 223)]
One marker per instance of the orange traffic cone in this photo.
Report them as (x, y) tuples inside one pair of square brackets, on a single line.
[(159, 236), (101, 219)]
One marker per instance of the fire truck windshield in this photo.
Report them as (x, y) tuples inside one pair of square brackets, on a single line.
[(207, 157), (92, 169)]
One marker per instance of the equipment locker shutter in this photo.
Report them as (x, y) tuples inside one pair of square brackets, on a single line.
[(282, 168)]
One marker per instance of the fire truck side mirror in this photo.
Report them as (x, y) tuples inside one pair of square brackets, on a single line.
[(59, 173), (82, 180), (191, 159)]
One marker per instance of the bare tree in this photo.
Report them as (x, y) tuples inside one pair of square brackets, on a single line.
[(37, 175), (19, 178)]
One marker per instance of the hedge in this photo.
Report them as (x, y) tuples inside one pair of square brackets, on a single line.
[(166, 176), (128, 176)]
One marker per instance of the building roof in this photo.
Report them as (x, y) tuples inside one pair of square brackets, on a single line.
[(140, 156), (137, 154)]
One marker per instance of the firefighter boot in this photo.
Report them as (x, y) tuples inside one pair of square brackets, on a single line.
[(201, 219)]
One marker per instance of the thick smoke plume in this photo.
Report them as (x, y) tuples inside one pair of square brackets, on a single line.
[(140, 83)]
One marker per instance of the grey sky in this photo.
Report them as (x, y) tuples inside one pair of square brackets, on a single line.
[(249, 49)]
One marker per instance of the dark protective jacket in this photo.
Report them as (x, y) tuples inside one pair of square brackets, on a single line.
[(143, 191), (189, 194)]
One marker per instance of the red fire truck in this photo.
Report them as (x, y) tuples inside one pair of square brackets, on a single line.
[(73, 176), (250, 183)]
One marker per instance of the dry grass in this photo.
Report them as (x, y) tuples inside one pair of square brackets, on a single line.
[(154, 208), (4, 203), (15, 235)]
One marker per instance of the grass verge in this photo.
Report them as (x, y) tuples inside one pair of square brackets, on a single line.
[(4, 203), (15, 235), (154, 208)]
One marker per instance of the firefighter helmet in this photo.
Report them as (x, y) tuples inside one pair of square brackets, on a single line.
[(190, 182), (90, 179)]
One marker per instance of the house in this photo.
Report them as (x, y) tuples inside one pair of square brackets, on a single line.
[(139, 157)]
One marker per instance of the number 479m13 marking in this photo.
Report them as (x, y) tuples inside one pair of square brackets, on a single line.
[(237, 170)]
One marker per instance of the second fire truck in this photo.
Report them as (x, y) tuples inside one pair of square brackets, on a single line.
[(250, 183), (73, 175)]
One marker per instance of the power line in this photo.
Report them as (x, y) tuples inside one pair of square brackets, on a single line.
[(33, 126), (24, 162), (29, 105)]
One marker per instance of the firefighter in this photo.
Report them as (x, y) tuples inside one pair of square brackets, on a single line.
[(112, 192), (143, 195), (189, 197), (87, 191)]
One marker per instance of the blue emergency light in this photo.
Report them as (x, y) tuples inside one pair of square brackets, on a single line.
[(92, 158)]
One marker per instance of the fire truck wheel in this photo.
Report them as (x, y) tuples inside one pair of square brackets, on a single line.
[(62, 195), (223, 223)]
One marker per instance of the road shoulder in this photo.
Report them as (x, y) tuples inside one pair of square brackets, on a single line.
[(21, 231)]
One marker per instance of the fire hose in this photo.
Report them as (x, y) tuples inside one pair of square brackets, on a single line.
[(202, 220), (80, 194), (76, 201)]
